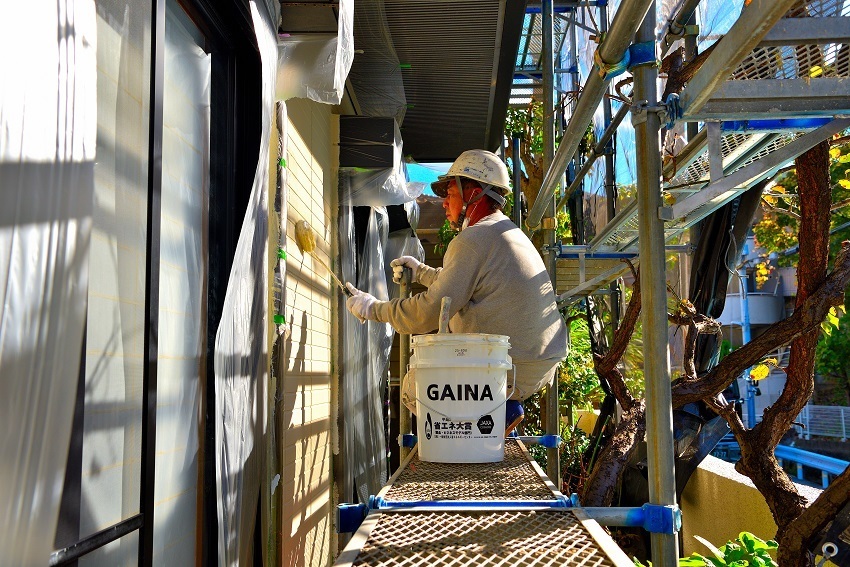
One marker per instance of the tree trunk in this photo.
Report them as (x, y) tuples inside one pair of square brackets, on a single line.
[(815, 199), (612, 461)]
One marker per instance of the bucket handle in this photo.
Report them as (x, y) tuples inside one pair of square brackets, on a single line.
[(513, 385)]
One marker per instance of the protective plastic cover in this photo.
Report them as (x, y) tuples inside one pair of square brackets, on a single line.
[(365, 187), (365, 356), (241, 358), (403, 243), (315, 66), (376, 72), (714, 17), (48, 120)]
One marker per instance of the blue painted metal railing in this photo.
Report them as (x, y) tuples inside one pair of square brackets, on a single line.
[(827, 465)]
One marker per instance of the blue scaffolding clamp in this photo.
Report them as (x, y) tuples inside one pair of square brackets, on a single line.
[(408, 440), (640, 54), (350, 516), (549, 441), (668, 111), (660, 519)]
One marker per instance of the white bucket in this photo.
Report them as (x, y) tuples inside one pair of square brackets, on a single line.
[(461, 384)]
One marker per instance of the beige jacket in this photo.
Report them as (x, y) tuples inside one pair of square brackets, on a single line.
[(498, 284)]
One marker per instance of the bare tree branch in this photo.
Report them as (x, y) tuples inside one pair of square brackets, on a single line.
[(606, 366), (805, 318)]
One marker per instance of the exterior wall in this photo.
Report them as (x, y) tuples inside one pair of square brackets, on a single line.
[(718, 503), (305, 414), (715, 490)]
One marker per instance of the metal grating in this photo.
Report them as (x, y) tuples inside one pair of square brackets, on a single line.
[(481, 539), (771, 147), (795, 62), (801, 61), (699, 169), (512, 479), (819, 9), (677, 225)]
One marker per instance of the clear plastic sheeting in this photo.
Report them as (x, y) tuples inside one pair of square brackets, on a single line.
[(378, 187), (403, 243), (715, 18), (48, 124), (365, 356), (315, 66), (241, 357), (367, 187)]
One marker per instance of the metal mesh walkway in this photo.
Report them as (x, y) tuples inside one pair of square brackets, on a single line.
[(499, 537), (512, 479)]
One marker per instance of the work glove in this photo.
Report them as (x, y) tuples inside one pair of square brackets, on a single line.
[(361, 304), (399, 264)]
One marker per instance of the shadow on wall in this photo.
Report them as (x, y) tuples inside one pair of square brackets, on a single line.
[(304, 457)]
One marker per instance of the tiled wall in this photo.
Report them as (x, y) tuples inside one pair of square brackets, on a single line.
[(305, 407)]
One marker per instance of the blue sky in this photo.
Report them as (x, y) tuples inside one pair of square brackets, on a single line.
[(426, 173)]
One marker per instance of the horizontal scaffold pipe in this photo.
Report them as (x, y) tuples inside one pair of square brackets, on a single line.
[(611, 52), (651, 517), (378, 503)]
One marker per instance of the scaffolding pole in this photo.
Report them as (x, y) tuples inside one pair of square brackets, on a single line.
[(553, 465), (404, 419), (611, 51), (610, 174), (659, 412), (517, 210)]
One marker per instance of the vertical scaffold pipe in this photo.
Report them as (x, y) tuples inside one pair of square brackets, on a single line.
[(610, 189), (659, 413), (626, 21), (553, 465), (404, 421), (517, 169)]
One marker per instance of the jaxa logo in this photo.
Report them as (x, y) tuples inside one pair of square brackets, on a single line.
[(485, 424), (428, 426)]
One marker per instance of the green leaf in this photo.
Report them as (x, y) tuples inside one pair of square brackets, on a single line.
[(753, 543), (711, 547), (694, 560)]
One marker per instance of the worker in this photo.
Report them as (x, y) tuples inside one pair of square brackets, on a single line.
[(493, 274)]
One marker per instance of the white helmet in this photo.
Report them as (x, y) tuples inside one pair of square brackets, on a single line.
[(479, 165)]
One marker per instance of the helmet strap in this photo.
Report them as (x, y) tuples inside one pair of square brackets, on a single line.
[(461, 222)]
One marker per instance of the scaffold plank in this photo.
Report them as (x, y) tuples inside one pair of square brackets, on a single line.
[(481, 539), (517, 477), (478, 538)]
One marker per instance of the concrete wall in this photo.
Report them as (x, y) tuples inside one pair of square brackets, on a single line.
[(305, 408), (718, 504)]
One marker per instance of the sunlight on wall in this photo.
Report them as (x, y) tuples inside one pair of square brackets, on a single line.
[(305, 410)]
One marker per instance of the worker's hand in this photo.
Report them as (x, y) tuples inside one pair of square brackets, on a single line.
[(361, 304), (399, 264)]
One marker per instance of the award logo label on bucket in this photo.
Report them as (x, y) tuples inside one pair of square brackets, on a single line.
[(485, 424)]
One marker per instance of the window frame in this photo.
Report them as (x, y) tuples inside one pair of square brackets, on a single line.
[(234, 150)]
